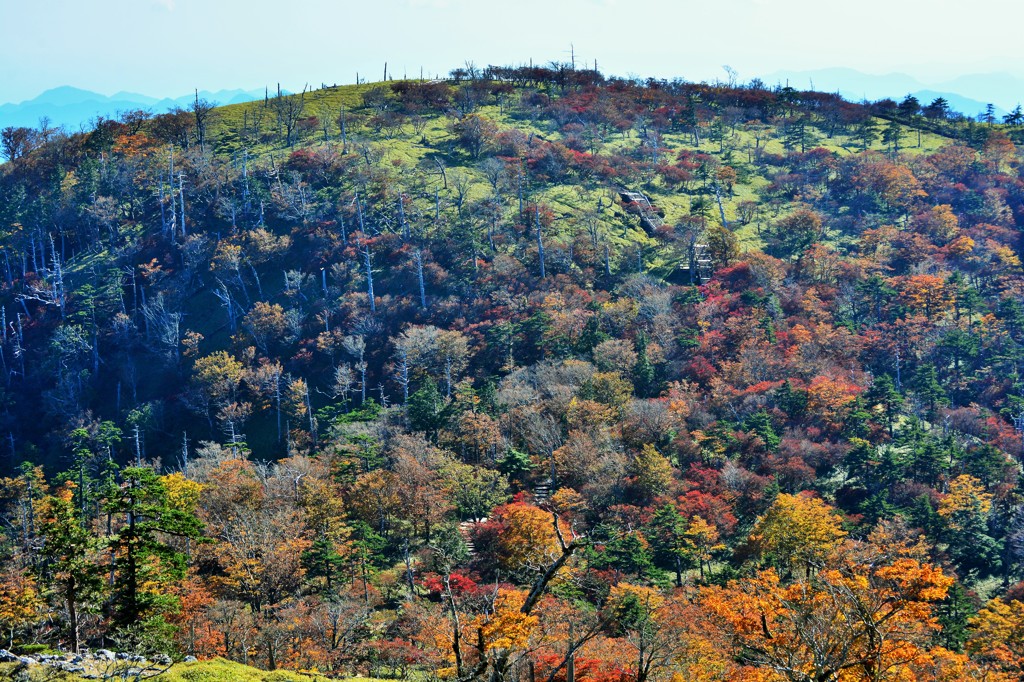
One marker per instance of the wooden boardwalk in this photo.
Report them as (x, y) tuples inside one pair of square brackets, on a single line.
[(650, 220)]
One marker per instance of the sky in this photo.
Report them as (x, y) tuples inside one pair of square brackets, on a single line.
[(169, 47)]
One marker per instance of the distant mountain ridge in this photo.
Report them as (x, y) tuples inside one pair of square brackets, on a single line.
[(967, 94), (74, 107)]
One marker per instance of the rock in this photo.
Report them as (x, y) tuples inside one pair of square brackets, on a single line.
[(105, 655), (122, 656), (162, 659), (75, 659), (27, 660), (21, 674), (7, 657), (67, 667), (191, 659)]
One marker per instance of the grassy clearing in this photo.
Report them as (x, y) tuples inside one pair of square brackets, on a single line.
[(409, 145), (221, 670)]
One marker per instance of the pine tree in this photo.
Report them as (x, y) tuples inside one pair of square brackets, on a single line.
[(928, 462), (668, 535), (798, 134), (643, 369), (761, 423), (792, 401), (515, 464), (866, 133), (883, 393), (146, 562), (927, 387), (892, 136), (954, 612), (427, 409), (631, 554), (69, 560)]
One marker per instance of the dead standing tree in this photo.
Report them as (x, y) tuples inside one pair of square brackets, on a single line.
[(289, 109), (203, 111)]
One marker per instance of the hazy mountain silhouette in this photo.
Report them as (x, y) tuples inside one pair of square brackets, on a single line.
[(73, 107), (967, 94)]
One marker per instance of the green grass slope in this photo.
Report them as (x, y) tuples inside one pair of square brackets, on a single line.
[(415, 144)]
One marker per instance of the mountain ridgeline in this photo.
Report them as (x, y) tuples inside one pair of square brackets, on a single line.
[(74, 108), (524, 374)]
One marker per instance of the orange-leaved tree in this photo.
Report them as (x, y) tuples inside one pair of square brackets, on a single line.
[(666, 633), (867, 614)]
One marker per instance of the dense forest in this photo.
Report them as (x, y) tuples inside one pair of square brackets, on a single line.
[(528, 374)]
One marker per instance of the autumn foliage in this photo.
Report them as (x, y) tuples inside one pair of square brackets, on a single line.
[(526, 374)]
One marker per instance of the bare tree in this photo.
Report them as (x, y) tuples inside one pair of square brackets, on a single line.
[(289, 109), (202, 110), (419, 277), (343, 126), (163, 325), (369, 276), (495, 171), (402, 371), (50, 290), (252, 121), (461, 184), (540, 244), (344, 379), (134, 119), (223, 294), (355, 345)]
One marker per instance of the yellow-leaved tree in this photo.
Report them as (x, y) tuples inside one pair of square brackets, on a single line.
[(965, 503), (652, 473), (797, 530), (997, 637), (506, 627), (661, 634), (21, 603)]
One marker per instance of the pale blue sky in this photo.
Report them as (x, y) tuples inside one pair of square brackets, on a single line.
[(169, 47)]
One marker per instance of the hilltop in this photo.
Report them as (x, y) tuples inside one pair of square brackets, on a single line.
[(691, 151)]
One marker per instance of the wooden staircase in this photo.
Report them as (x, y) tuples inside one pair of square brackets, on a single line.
[(649, 218), (541, 496), (704, 266), (651, 221), (466, 531), (542, 492)]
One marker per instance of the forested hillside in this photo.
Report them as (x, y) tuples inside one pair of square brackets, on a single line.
[(527, 374)]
